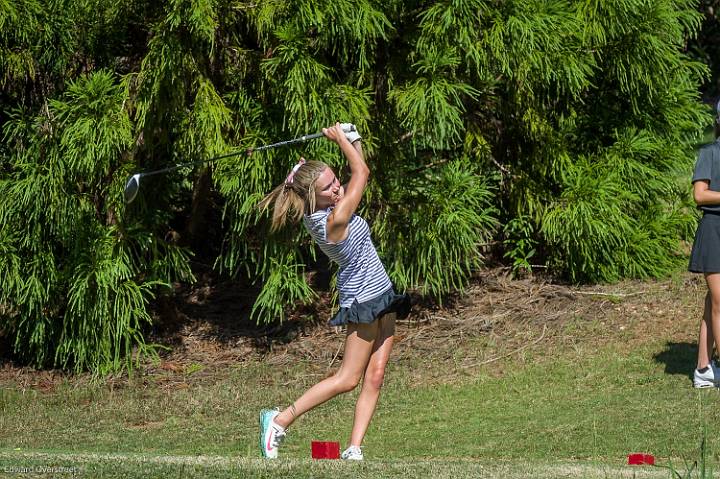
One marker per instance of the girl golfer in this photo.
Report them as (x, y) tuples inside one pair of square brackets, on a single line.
[(368, 304), (705, 257)]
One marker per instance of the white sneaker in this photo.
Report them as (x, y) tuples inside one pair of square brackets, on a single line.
[(352, 453), (707, 379), (271, 434)]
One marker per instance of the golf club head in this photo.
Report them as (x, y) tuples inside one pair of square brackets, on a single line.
[(132, 187)]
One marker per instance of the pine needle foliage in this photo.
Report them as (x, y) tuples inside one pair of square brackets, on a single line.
[(76, 282), (562, 130)]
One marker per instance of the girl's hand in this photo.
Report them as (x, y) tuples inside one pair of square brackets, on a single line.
[(351, 132), (335, 134)]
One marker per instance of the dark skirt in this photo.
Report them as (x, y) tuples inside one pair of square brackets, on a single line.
[(369, 311), (705, 255)]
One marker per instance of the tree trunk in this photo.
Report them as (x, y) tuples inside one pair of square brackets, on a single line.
[(197, 221)]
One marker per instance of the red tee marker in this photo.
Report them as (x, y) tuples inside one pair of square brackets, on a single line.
[(638, 459), (325, 450)]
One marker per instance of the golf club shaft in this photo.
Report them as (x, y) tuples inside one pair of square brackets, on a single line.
[(248, 152), (287, 142)]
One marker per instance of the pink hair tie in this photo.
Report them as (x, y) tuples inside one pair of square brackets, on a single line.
[(290, 177)]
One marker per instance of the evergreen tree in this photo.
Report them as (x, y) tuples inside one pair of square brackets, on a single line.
[(564, 130)]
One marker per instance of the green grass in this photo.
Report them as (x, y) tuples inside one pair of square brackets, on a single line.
[(571, 409), (220, 468), (591, 407)]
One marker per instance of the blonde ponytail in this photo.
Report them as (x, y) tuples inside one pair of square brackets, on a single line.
[(295, 196)]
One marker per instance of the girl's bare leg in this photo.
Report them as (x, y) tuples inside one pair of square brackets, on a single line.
[(358, 348), (705, 340), (374, 375), (713, 282)]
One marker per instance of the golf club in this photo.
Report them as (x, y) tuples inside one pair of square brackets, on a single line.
[(133, 183)]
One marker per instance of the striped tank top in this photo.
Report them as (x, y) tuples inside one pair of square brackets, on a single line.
[(362, 276)]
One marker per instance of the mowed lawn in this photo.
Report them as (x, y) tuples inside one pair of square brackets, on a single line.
[(572, 405)]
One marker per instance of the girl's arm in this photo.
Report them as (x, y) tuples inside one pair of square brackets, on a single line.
[(339, 219), (703, 195), (358, 146)]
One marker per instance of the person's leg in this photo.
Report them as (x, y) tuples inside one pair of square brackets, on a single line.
[(713, 282), (358, 348), (705, 340), (374, 375)]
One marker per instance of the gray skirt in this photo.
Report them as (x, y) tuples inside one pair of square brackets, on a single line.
[(369, 311), (705, 255)]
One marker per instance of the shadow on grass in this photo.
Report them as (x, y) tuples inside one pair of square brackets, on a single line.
[(679, 358)]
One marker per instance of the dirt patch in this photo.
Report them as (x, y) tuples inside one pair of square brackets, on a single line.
[(208, 329)]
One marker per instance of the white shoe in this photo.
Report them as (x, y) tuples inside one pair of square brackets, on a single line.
[(271, 434), (707, 379), (352, 453)]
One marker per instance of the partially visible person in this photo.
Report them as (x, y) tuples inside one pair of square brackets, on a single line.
[(705, 257)]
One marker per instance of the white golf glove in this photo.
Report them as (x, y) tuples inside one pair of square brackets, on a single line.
[(351, 132)]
